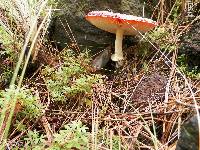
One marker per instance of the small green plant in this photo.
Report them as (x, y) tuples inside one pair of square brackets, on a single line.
[(34, 140), (5, 37), (69, 79), (5, 76), (73, 136), (7, 56), (28, 103), (192, 72), (21, 103), (164, 37), (176, 11), (115, 141)]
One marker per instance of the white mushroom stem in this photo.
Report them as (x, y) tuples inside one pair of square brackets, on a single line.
[(118, 55)]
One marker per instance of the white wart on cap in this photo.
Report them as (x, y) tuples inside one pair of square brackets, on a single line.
[(120, 24)]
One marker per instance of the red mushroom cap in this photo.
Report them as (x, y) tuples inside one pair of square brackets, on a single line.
[(110, 22)]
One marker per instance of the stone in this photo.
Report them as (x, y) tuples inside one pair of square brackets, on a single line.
[(190, 42), (189, 137), (102, 58), (190, 45), (69, 26)]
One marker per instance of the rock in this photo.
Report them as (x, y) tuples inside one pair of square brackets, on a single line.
[(85, 34), (189, 137), (190, 42), (102, 58), (190, 45)]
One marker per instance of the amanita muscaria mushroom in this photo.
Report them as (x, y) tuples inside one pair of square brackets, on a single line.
[(120, 24)]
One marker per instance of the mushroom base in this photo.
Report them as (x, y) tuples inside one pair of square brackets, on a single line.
[(116, 57)]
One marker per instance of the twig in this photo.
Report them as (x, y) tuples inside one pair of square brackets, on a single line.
[(188, 105)]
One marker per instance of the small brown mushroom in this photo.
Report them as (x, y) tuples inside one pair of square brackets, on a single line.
[(120, 24)]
